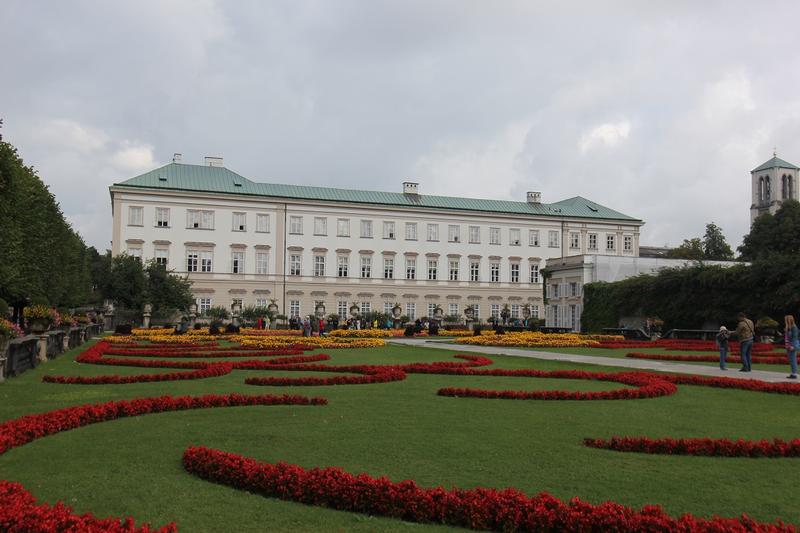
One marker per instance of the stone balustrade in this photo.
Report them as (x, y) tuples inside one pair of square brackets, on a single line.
[(29, 351)]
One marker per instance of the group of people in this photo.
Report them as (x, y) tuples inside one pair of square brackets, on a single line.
[(746, 333)]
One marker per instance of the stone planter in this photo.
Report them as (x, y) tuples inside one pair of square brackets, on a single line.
[(39, 325), (3, 356)]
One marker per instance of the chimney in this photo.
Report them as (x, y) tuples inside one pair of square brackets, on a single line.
[(410, 187), (214, 161), (176, 157), (534, 197)]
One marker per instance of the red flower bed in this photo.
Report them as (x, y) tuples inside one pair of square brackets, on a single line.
[(378, 376), (480, 508), (705, 358), (19, 512), (212, 371), (683, 345), (703, 446), (733, 383)]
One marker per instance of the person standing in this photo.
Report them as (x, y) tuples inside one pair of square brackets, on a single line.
[(745, 332), (791, 342), (722, 344)]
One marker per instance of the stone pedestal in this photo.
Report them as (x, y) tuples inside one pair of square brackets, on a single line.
[(148, 311), (109, 322), (65, 341), (42, 356)]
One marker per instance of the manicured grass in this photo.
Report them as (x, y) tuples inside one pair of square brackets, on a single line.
[(402, 430)]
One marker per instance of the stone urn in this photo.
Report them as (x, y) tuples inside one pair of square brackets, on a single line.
[(354, 310), (273, 308), (39, 325), (320, 310), (438, 314), (397, 311)]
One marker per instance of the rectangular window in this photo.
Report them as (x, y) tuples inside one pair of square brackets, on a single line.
[(135, 216), (411, 268), (552, 239), (388, 230), (296, 225), (611, 241), (592, 245), (206, 260), (555, 289), (366, 266), (387, 308), (320, 226), (433, 232), (514, 272), (342, 265), (239, 222), (192, 261), (341, 308), (534, 273), (203, 305), (431, 310), (343, 227), (135, 252), (627, 243), (366, 307), (514, 310), (237, 262), (319, 266), (411, 231), (533, 237), (366, 229), (237, 301), (411, 311), (534, 311), (474, 234), (162, 257), (261, 302), (452, 309), (477, 309), (494, 310), (294, 307), (494, 235), (474, 271), (453, 233), (453, 271), (495, 272), (573, 288), (262, 223), (295, 264), (261, 262), (388, 268), (574, 241), (196, 219), (514, 238), (433, 269), (162, 217)]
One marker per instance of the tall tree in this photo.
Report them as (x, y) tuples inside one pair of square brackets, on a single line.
[(715, 247), (690, 249), (774, 234)]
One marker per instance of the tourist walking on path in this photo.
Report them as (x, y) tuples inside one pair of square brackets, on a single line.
[(791, 342), (722, 344), (745, 332)]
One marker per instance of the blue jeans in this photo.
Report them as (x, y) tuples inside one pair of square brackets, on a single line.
[(792, 353), (746, 347), (723, 355)]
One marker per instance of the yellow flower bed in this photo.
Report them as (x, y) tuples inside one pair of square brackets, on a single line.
[(532, 339), (256, 338), (317, 342), (362, 333)]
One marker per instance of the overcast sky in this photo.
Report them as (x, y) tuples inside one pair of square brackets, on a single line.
[(656, 109)]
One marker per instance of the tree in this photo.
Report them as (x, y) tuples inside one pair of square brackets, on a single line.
[(690, 249), (773, 234), (131, 285), (167, 292), (715, 247)]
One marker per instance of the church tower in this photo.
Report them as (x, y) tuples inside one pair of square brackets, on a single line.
[(772, 183)]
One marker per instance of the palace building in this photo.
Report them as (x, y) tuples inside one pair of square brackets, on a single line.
[(242, 241)]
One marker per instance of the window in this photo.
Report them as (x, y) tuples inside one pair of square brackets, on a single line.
[(199, 219), (388, 268), (475, 234), (477, 309), (262, 223), (240, 222), (574, 240), (411, 231), (261, 302), (627, 243), (514, 238), (611, 241), (366, 266), (433, 268), (343, 227), (494, 310), (387, 308), (203, 305), (552, 239), (433, 232), (573, 316), (574, 288), (162, 257), (237, 262), (342, 264), (495, 272), (388, 230), (453, 271), (237, 301), (555, 290), (320, 226), (294, 307), (319, 266), (474, 271), (135, 216), (295, 264), (411, 310), (206, 260), (534, 273), (514, 310), (366, 307), (341, 308), (411, 268), (533, 237), (135, 251), (192, 261), (514, 272), (296, 225), (534, 311), (162, 217), (592, 241), (452, 309), (261, 262), (366, 229), (494, 235), (453, 233), (431, 310)]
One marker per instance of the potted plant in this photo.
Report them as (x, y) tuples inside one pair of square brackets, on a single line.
[(39, 318), (766, 328)]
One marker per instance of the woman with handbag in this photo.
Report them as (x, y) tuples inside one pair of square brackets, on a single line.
[(791, 342)]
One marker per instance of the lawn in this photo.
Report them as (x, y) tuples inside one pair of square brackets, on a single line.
[(402, 430)]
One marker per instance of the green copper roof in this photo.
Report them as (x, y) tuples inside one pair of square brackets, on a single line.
[(775, 162), (199, 178)]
